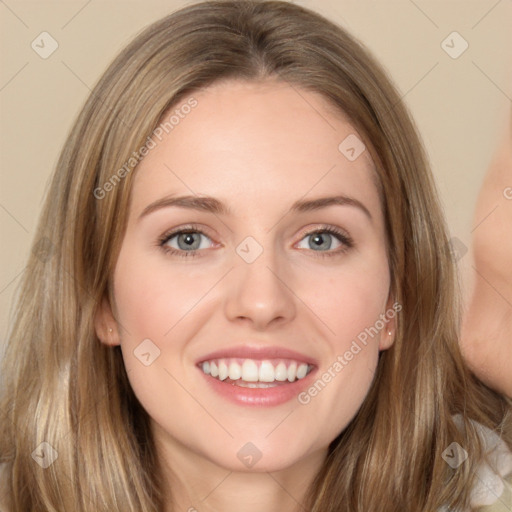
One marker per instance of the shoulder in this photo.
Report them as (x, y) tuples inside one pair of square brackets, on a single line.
[(492, 488)]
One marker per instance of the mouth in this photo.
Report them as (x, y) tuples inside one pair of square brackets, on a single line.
[(255, 373), (257, 376)]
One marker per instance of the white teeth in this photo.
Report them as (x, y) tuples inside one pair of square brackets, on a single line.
[(235, 372), (254, 385), (223, 370), (246, 371), (266, 372), (250, 371), (281, 373), (302, 370), (292, 372)]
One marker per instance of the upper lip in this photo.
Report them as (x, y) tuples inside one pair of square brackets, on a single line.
[(258, 352)]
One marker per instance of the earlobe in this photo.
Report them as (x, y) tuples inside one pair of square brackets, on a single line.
[(105, 324), (387, 335)]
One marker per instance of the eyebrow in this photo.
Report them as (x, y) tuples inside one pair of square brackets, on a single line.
[(213, 205)]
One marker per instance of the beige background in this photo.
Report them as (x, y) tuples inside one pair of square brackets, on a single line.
[(460, 105)]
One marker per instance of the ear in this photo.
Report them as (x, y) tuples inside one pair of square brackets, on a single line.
[(105, 324), (387, 336)]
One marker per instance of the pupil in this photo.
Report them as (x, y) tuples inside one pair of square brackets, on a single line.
[(318, 240), (188, 239)]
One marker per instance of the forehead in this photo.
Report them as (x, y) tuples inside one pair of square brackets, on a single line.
[(265, 141)]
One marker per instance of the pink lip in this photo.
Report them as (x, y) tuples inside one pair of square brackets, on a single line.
[(258, 353), (262, 397)]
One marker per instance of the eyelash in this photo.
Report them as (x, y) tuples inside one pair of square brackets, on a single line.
[(342, 237)]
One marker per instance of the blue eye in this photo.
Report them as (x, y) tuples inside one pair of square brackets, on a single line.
[(318, 238), (188, 240)]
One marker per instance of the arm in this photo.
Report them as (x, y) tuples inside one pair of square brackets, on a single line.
[(487, 328)]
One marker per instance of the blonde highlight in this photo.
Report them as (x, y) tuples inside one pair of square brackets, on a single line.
[(64, 387)]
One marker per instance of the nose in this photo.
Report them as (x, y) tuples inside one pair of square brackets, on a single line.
[(260, 293)]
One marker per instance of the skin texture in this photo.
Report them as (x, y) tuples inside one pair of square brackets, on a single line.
[(258, 147), (487, 327)]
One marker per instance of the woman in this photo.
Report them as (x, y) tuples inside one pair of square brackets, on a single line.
[(252, 370)]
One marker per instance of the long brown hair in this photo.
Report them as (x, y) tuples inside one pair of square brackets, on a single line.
[(63, 387)]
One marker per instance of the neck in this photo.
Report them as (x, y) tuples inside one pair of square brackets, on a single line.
[(196, 484)]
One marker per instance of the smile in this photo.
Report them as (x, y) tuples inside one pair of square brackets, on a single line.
[(253, 373)]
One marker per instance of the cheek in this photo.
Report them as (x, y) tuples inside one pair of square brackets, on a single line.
[(343, 299), (351, 307), (151, 302), (152, 297), (348, 299)]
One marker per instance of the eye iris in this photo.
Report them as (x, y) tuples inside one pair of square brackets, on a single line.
[(189, 241), (319, 237)]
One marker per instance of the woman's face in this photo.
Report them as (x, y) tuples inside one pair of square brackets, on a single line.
[(257, 288)]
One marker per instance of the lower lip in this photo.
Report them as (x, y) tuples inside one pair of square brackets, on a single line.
[(262, 397)]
